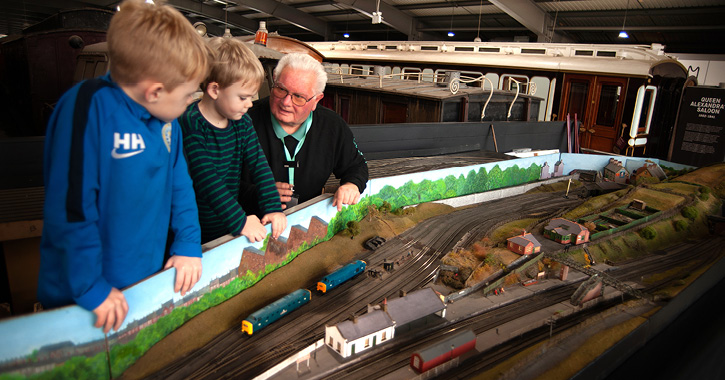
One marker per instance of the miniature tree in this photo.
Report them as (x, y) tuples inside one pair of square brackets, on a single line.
[(681, 225), (704, 195), (372, 212), (648, 233), (385, 207), (353, 228), (690, 212)]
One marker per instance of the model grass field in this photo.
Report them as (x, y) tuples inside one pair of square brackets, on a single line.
[(701, 189), (484, 256)]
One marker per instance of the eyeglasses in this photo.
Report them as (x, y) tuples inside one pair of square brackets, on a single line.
[(297, 99)]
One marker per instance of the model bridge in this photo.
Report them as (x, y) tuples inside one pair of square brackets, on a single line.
[(606, 278)]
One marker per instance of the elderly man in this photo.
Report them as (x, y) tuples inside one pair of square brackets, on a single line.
[(303, 142)]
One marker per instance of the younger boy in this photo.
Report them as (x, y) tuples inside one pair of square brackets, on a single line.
[(219, 140), (115, 175)]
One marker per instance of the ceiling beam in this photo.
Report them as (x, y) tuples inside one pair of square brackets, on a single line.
[(445, 4), (662, 28), (287, 13), (392, 17), (216, 13), (530, 16)]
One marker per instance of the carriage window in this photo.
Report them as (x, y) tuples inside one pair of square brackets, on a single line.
[(645, 118), (510, 85), (427, 75), (578, 93), (493, 77), (608, 103), (542, 90), (359, 70), (411, 70)]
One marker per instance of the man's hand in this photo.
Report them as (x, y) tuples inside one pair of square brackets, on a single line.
[(253, 229), (278, 220), (347, 194), (188, 272), (112, 311), (285, 193)]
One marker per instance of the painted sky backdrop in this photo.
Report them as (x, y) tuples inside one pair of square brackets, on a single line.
[(21, 335)]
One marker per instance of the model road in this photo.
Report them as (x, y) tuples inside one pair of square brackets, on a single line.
[(418, 252)]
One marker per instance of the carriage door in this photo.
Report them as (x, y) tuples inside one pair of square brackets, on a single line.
[(598, 103)]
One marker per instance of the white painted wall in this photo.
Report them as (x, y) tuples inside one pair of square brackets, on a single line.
[(712, 67)]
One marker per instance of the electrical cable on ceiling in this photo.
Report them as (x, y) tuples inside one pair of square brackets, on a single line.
[(478, 30)]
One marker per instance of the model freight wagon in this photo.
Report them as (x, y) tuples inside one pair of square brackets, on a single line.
[(443, 351), (341, 275), (276, 310)]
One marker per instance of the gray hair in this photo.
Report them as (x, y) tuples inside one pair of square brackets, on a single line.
[(304, 62)]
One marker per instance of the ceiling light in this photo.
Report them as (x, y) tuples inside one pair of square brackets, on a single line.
[(623, 33), (451, 34), (346, 35)]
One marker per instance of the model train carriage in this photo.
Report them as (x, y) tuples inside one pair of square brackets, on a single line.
[(276, 310), (341, 275), (443, 351)]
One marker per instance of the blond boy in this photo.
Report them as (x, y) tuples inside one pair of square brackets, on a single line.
[(115, 176), (219, 140)]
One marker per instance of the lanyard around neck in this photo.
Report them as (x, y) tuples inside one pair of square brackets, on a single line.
[(291, 163)]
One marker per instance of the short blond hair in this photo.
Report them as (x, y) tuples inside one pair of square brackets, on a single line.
[(147, 41), (233, 62)]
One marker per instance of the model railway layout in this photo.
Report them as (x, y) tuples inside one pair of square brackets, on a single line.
[(428, 241)]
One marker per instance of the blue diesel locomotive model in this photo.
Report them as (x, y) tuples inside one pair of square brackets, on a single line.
[(276, 310), (341, 275)]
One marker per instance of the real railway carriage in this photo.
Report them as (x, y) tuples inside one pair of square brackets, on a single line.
[(624, 96), (443, 351), (276, 310), (341, 275)]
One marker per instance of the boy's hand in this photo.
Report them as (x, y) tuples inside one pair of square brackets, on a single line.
[(347, 194), (112, 311), (188, 272), (278, 220), (253, 229), (285, 193)]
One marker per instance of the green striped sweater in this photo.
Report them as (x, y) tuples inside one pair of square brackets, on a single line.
[(215, 158)]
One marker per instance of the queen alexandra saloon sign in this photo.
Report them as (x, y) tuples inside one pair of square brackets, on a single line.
[(699, 139)]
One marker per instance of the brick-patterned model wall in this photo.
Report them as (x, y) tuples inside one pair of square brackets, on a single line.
[(277, 250), (252, 260), (317, 230)]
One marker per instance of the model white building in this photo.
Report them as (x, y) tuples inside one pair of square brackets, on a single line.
[(378, 325)]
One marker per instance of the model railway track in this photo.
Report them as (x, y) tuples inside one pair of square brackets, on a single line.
[(396, 354), (235, 355), (390, 358)]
